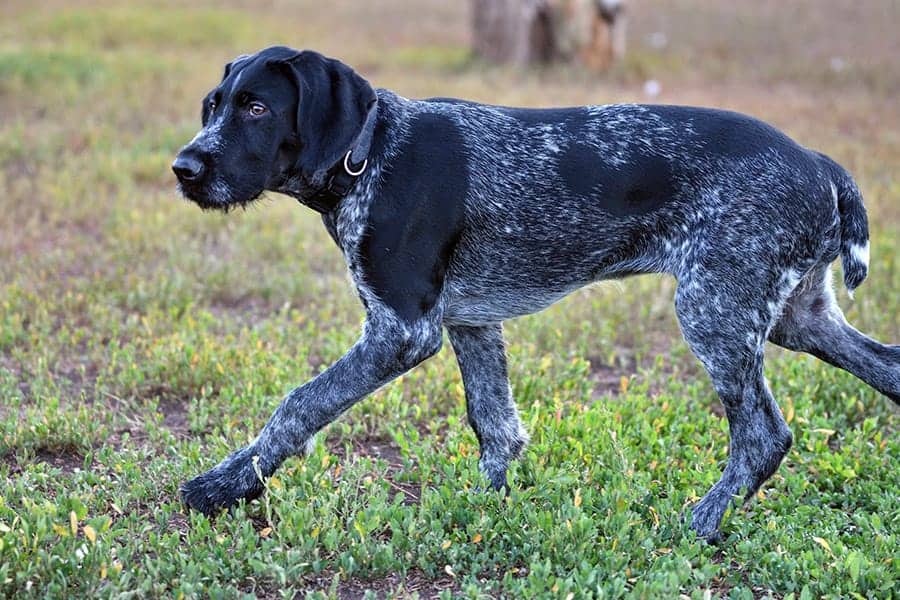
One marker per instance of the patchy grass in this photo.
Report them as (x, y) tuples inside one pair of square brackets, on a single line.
[(141, 340)]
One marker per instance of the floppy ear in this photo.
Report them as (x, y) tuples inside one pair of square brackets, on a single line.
[(334, 106), (236, 62), (204, 112), (204, 109)]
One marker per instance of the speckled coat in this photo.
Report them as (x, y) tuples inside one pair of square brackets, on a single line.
[(470, 214)]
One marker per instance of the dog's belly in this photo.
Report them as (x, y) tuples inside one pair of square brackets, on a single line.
[(495, 288), (492, 280), (519, 265), (473, 306)]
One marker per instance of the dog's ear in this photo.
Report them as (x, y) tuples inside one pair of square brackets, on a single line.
[(204, 109), (334, 106), (204, 112), (235, 63)]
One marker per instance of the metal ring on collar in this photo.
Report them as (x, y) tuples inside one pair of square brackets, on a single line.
[(349, 170)]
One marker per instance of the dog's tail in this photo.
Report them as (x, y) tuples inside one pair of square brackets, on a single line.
[(854, 225)]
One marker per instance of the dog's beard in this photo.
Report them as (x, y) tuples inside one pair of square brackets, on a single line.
[(217, 195)]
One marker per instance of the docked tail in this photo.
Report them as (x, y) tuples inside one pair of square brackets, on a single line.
[(854, 226)]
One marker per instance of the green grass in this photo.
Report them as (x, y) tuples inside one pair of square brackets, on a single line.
[(141, 340)]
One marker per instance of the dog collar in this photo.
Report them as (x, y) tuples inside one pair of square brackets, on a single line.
[(340, 180), (342, 176)]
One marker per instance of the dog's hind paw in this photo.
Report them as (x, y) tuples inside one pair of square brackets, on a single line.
[(504, 489), (706, 516), (223, 486)]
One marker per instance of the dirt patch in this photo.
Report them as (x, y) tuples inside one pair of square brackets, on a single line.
[(9, 459), (396, 585), (383, 449), (388, 452), (175, 416), (607, 379), (393, 585), (611, 380), (263, 589), (259, 522), (63, 459), (412, 493), (136, 417), (67, 460), (78, 376)]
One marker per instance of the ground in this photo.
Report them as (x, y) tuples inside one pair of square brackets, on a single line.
[(142, 339)]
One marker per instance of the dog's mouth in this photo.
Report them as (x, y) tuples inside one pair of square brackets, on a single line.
[(215, 196)]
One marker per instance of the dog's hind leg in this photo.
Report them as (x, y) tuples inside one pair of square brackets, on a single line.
[(812, 322), (725, 317), (491, 410)]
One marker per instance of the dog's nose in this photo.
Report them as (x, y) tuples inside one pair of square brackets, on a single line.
[(187, 167)]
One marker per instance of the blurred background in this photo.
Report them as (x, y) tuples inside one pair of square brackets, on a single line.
[(142, 339)]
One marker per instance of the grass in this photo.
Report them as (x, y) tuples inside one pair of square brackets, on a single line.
[(141, 340)]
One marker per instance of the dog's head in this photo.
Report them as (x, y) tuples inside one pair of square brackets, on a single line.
[(279, 120)]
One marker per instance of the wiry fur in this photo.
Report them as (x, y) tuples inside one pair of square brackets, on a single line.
[(521, 207)]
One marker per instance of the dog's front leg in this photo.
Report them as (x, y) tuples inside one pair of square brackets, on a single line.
[(489, 402), (388, 348)]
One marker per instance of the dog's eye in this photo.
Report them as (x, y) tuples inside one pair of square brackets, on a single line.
[(256, 109), (212, 106)]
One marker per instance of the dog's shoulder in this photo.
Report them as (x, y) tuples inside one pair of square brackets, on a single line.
[(416, 214)]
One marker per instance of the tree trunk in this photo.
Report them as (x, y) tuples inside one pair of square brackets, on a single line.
[(523, 32)]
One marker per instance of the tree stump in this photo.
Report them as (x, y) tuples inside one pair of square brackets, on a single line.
[(524, 32)]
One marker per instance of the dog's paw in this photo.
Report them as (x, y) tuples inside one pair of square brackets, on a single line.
[(225, 485), (705, 518), (495, 480), (504, 489), (495, 472)]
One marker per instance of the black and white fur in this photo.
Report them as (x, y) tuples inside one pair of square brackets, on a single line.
[(469, 214)]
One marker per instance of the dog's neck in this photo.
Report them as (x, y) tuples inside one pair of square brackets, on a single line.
[(387, 133), (340, 178)]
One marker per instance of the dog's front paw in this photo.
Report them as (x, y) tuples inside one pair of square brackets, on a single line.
[(232, 480)]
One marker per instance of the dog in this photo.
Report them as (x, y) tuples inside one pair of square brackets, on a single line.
[(456, 215)]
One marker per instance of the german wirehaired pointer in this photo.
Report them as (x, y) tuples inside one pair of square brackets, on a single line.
[(457, 215)]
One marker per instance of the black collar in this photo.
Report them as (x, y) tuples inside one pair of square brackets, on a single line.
[(342, 176), (339, 180)]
